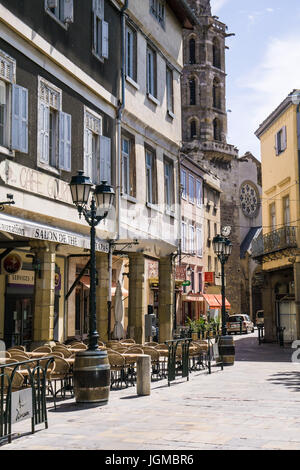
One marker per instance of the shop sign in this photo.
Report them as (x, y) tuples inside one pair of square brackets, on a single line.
[(186, 283), (209, 277), (12, 263), (36, 182), (22, 278), (21, 405), (40, 232), (180, 273)]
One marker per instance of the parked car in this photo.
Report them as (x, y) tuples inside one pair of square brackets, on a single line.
[(234, 322), (260, 319)]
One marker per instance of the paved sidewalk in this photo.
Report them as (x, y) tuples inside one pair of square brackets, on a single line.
[(253, 405)]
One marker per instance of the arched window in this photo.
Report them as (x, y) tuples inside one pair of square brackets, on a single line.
[(192, 50), (193, 129), (192, 91), (216, 94), (216, 53), (217, 129)]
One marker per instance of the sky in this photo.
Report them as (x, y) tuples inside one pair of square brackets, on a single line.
[(262, 63)]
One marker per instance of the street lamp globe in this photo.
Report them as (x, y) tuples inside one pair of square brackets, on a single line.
[(104, 196), (227, 248), (218, 245), (80, 186)]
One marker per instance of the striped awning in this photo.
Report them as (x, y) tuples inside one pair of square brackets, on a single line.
[(215, 301)]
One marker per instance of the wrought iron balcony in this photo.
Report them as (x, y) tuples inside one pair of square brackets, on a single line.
[(274, 243)]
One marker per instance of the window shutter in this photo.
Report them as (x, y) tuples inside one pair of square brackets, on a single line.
[(98, 7), (88, 154), (65, 133), (68, 11), (105, 39), (105, 159), (276, 144), (284, 138), (43, 132), (19, 116), (52, 3)]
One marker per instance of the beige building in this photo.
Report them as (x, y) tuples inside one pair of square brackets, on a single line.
[(277, 249)]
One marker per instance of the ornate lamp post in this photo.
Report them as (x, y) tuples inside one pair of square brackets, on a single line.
[(223, 248), (91, 368)]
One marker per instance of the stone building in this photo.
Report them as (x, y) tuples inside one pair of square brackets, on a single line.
[(204, 120), (250, 193)]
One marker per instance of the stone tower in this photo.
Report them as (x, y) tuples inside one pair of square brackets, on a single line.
[(204, 118)]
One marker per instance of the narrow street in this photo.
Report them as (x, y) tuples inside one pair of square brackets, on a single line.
[(253, 405)]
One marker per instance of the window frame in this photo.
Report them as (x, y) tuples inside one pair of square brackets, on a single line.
[(156, 7), (184, 193), (199, 201), (199, 241), (170, 90), (99, 26), (132, 58), (169, 183), (151, 72), (61, 21), (93, 126), (191, 196), (151, 177)]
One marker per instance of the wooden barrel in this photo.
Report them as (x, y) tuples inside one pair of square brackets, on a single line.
[(91, 377), (226, 350)]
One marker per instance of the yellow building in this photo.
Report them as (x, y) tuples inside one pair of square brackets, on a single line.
[(277, 248)]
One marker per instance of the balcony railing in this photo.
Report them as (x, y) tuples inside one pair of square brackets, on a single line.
[(278, 240)]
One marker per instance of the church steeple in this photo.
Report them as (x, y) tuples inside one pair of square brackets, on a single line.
[(201, 7)]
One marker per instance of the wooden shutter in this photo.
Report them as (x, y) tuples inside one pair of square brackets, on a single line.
[(284, 138), (105, 159), (68, 11), (65, 138), (19, 117), (88, 153), (105, 39), (43, 132), (276, 144)]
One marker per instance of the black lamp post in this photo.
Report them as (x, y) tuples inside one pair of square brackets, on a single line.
[(91, 368), (222, 248)]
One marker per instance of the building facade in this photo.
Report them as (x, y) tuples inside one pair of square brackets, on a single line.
[(71, 100), (205, 126), (278, 247)]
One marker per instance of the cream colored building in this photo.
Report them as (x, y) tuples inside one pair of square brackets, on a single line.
[(278, 247)]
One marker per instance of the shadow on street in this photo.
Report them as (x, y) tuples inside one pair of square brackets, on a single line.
[(291, 380), (248, 349)]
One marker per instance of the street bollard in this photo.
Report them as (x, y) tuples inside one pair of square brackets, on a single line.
[(143, 375)]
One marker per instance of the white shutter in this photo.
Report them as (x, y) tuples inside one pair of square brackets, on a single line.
[(98, 7), (19, 117), (52, 3), (88, 153), (105, 39), (284, 138), (65, 138), (68, 11), (43, 132), (105, 159)]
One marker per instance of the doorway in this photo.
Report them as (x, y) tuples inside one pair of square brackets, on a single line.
[(81, 310), (18, 322)]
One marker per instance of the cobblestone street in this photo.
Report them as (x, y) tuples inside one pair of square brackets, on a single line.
[(253, 405)]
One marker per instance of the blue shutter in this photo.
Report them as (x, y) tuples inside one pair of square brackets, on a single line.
[(19, 117), (105, 39), (68, 11), (65, 138), (105, 159)]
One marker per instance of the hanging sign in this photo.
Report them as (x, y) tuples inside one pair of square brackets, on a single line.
[(12, 263)]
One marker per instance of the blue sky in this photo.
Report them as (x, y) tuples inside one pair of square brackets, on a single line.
[(263, 62)]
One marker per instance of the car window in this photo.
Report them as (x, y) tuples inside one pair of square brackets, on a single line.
[(260, 315), (235, 318)]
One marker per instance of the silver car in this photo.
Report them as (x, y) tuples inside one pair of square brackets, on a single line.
[(233, 324)]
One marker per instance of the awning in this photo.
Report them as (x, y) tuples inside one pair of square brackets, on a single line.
[(215, 301), (212, 301), (85, 280), (219, 299)]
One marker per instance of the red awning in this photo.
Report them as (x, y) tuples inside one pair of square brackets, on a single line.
[(215, 301), (212, 301), (219, 298)]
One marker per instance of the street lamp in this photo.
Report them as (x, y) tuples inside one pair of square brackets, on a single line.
[(222, 248), (91, 368)]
